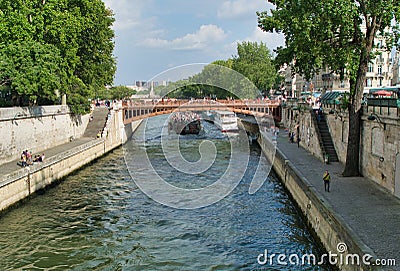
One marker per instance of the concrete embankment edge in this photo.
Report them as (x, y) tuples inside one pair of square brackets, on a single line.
[(21, 184), (328, 225)]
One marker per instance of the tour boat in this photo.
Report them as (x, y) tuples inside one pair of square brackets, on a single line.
[(208, 116), (185, 123), (226, 121)]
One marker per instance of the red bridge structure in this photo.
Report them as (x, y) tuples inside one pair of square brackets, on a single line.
[(140, 110)]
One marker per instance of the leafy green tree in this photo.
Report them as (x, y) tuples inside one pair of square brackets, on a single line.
[(338, 34), (121, 92), (254, 61), (31, 69), (96, 67), (53, 47), (226, 63), (161, 90)]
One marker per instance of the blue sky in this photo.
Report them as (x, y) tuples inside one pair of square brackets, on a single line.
[(156, 35)]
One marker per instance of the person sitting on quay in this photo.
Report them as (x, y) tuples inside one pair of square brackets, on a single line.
[(27, 158), (39, 158), (23, 162)]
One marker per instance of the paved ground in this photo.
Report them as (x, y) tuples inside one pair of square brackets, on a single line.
[(12, 166), (97, 123), (371, 212)]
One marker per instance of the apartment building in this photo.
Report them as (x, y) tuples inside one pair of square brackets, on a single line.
[(383, 70)]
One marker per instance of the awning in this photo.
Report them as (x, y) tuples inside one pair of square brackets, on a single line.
[(383, 93)]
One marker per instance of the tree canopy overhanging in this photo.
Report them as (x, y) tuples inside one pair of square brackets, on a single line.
[(54, 47), (339, 34)]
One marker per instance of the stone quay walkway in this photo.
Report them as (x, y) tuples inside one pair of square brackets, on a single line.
[(12, 166), (97, 123), (371, 212)]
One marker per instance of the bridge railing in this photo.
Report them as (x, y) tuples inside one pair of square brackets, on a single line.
[(174, 102), (139, 110)]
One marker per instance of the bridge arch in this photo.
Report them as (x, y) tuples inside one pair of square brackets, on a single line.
[(142, 110)]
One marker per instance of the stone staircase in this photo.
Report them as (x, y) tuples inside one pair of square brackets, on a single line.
[(97, 123), (325, 138)]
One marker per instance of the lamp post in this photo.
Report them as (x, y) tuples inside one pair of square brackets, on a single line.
[(373, 117)]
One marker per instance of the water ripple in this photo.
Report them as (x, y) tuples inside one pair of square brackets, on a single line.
[(97, 219)]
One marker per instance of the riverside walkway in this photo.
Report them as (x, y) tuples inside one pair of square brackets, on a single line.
[(12, 166), (372, 214), (99, 116)]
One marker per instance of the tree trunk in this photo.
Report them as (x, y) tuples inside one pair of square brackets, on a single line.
[(352, 166), (353, 146)]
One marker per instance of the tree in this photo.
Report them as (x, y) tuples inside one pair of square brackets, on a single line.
[(339, 34), (254, 61), (121, 92), (56, 47), (31, 69), (96, 66)]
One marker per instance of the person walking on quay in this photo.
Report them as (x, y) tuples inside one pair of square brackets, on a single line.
[(291, 137), (327, 179), (298, 141)]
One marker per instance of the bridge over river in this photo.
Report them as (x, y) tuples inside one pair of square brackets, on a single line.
[(139, 110)]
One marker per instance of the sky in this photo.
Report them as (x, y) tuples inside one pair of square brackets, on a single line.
[(153, 36)]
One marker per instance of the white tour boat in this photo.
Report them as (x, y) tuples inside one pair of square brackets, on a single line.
[(226, 121)]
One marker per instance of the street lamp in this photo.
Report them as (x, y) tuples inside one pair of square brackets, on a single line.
[(373, 117)]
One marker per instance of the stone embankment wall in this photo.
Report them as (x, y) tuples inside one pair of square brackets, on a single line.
[(20, 184), (301, 122), (380, 140), (328, 225), (338, 124), (36, 129)]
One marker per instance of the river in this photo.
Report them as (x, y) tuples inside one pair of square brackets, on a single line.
[(98, 219)]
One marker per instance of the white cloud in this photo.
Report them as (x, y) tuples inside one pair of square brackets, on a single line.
[(241, 9), (272, 40), (201, 39), (128, 14)]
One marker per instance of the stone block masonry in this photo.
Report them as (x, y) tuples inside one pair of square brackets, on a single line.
[(379, 146), (19, 184), (349, 214), (36, 129)]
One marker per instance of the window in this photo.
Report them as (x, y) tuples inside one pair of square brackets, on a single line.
[(369, 82), (380, 82), (380, 69), (370, 67)]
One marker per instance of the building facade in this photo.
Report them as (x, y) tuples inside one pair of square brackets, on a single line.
[(383, 70), (396, 71)]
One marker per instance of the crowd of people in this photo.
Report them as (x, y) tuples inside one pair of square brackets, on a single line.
[(28, 159), (185, 120), (184, 117)]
